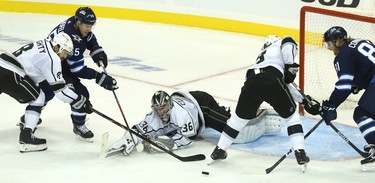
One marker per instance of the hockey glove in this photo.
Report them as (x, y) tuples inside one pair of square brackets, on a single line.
[(328, 112), (312, 107), (98, 56), (165, 142), (290, 72), (106, 81), (81, 104)]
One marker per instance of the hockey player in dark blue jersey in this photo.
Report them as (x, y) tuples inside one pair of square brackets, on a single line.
[(79, 27), (355, 67)]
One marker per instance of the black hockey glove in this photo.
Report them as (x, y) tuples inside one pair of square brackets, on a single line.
[(328, 112), (98, 56), (313, 107), (290, 72), (81, 104), (106, 81)]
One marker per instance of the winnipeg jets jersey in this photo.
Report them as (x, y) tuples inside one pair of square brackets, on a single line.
[(183, 124), (355, 66), (80, 43), (39, 62), (277, 55)]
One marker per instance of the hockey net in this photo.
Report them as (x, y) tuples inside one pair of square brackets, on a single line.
[(317, 73)]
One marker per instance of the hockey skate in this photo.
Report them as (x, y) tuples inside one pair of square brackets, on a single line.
[(218, 155), (83, 133), (21, 124), (368, 163), (30, 143), (302, 159)]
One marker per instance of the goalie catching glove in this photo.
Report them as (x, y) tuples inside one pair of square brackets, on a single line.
[(164, 141)]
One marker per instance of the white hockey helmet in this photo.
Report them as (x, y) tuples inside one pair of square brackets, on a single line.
[(64, 41), (270, 39)]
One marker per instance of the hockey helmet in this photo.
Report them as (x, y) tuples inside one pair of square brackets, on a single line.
[(85, 15), (161, 104), (270, 39), (64, 41), (334, 33)]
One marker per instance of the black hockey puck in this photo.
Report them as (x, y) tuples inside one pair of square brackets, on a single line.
[(205, 173)]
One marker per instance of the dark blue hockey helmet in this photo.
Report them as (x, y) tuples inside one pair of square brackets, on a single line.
[(334, 33), (85, 15)]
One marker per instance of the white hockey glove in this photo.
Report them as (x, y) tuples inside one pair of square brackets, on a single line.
[(164, 141), (125, 145)]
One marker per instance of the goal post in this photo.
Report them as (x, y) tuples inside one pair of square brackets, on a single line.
[(317, 76)]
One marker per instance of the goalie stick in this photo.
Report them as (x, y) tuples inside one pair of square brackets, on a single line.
[(118, 103), (269, 170), (197, 157)]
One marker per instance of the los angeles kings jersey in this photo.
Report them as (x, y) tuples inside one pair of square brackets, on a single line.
[(40, 62), (277, 55), (183, 123)]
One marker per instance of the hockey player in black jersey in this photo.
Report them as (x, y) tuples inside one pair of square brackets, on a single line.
[(268, 81), (79, 28), (355, 67)]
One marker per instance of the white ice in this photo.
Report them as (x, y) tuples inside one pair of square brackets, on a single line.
[(193, 59)]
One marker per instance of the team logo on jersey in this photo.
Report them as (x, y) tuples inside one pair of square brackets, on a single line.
[(58, 75), (76, 38)]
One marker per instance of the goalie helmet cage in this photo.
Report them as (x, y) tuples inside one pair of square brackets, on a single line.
[(317, 74)]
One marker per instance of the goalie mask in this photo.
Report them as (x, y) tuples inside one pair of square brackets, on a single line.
[(161, 104), (270, 40)]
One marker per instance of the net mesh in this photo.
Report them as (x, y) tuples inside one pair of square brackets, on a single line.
[(319, 74)]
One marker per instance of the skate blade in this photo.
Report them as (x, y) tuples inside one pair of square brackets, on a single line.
[(304, 168), (25, 148), (90, 140), (214, 162)]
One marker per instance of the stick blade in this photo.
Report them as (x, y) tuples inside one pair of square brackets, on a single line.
[(197, 157)]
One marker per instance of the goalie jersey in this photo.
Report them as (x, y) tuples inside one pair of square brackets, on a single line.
[(185, 123), (355, 67)]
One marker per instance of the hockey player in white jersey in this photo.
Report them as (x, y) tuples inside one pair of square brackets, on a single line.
[(177, 120), (33, 63), (266, 81)]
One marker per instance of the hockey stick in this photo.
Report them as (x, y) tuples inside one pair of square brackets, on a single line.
[(269, 170), (118, 103), (197, 157), (363, 154)]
